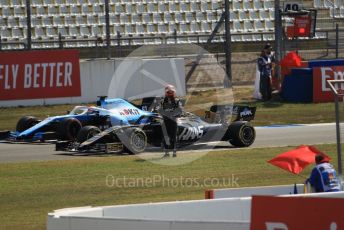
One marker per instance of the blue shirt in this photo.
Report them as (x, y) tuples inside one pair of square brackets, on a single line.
[(264, 65), (324, 178)]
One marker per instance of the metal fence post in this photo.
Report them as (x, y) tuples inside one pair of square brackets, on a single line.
[(337, 40), (0, 43), (107, 25), (175, 35), (60, 41), (118, 38), (339, 145), (228, 50), (278, 37), (28, 23)]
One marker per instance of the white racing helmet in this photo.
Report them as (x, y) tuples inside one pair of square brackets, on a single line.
[(170, 91)]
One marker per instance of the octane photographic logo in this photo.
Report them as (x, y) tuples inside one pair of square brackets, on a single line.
[(146, 72)]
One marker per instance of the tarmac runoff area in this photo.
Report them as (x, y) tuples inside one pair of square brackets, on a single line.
[(266, 136)]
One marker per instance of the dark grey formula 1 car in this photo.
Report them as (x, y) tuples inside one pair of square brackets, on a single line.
[(192, 129)]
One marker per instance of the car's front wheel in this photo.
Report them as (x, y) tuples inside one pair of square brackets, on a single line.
[(25, 123), (68, 129), (134, 141), (86, 133)]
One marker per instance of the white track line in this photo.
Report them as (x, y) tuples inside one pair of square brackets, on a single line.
[(295, 125)]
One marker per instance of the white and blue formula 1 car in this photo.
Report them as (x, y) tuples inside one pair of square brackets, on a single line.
[(107, 113)]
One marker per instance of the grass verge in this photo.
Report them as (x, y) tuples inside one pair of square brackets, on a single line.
[(28, 191)]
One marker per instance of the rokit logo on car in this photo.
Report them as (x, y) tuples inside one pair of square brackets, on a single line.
[(127, 112), (191, 133)]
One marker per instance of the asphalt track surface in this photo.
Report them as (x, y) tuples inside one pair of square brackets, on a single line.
[(267, 136)]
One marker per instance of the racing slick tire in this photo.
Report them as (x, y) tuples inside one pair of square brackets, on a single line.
[(86, 133), (135, 141), (25, 123), (68, 129), (242, 134)]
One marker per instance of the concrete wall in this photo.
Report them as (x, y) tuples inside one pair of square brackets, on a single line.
[(129, 78), (80, 223), (236, 209), (277, 190), (138, 78), (201, 215), (216, 214), (250, 191)]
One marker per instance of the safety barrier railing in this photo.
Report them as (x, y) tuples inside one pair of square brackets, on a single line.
[(121, 41), (331, 40)]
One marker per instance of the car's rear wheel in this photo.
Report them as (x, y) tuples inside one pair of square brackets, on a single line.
[(134, 141), (242, 134), (68, 129), (86, 133), (25, 123)]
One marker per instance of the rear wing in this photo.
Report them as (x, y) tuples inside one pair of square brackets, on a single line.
[(220, 113), (217, 113)]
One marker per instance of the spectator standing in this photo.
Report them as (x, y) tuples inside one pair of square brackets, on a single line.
[(265, 63)]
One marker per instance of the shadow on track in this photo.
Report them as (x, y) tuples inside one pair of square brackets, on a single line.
[(182, 150)]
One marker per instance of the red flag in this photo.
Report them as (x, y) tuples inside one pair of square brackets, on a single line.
[(297, 159)]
